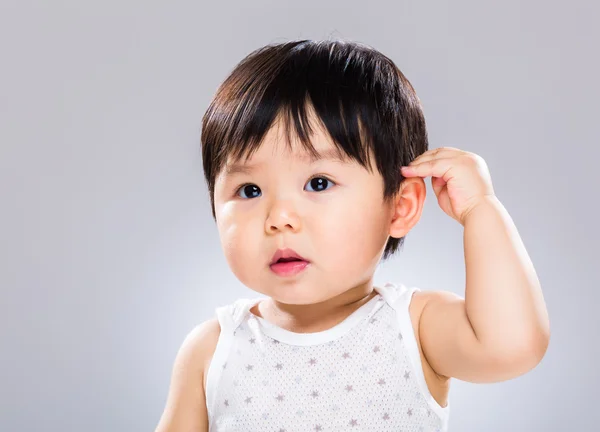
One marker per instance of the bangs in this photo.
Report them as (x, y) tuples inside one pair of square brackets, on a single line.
[(299, 121)]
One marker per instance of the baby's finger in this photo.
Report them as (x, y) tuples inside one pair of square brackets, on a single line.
[(442, 152), (434, 167)]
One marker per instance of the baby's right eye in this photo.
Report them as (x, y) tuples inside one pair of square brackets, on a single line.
[(251, 190)]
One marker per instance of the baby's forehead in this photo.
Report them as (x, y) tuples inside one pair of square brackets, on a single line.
[(296, 154)]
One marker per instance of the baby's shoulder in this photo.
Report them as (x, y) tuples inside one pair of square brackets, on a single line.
[(421, 298), (437, 385), (417, 304), (185, 408), (206, 336)]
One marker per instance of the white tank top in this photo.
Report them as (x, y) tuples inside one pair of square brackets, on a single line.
[(364, 374)]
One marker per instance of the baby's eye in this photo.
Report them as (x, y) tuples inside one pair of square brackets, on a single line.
[(251, 191), (319, 183)]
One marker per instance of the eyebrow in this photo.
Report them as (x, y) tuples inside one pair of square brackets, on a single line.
[(329, 154)]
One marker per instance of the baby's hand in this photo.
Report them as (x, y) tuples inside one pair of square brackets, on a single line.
[(460, 179)]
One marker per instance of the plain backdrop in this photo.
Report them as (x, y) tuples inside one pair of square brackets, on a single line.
[(108, 252)]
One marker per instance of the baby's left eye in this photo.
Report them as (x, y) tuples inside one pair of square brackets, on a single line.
[(319, 183)]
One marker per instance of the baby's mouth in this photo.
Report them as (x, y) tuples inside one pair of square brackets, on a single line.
[(288, 266), (286, 255)]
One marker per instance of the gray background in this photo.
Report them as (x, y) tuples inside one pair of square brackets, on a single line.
[(108, 252)]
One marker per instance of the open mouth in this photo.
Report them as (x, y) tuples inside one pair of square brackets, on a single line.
[(286, 262), (288, 266), (280, 260)]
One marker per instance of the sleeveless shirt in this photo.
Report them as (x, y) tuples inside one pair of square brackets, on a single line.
[(363, 374)]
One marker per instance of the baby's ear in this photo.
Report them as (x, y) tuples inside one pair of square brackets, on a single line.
[(407, 206)]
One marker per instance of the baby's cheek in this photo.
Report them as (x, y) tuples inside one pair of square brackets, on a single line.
[(345, 239), (359, 241), (234, 246)]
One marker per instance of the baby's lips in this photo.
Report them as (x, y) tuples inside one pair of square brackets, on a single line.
[(286, 253)]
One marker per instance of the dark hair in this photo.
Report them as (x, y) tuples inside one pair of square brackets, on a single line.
[(364, 101)]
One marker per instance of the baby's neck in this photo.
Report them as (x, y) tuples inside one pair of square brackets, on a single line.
[(314, 317)]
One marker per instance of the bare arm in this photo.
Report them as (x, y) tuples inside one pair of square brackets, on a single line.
[(185, 409), (500, 330)]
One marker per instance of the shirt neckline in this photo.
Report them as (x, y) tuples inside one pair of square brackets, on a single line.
[(315, 338)]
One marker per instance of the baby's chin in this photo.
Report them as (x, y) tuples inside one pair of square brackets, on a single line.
[(311, 286), (294, 294)]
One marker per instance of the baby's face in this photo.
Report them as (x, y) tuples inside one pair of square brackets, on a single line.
[(330, 212)]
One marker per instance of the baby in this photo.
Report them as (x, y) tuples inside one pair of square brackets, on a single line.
[(315, 154)]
